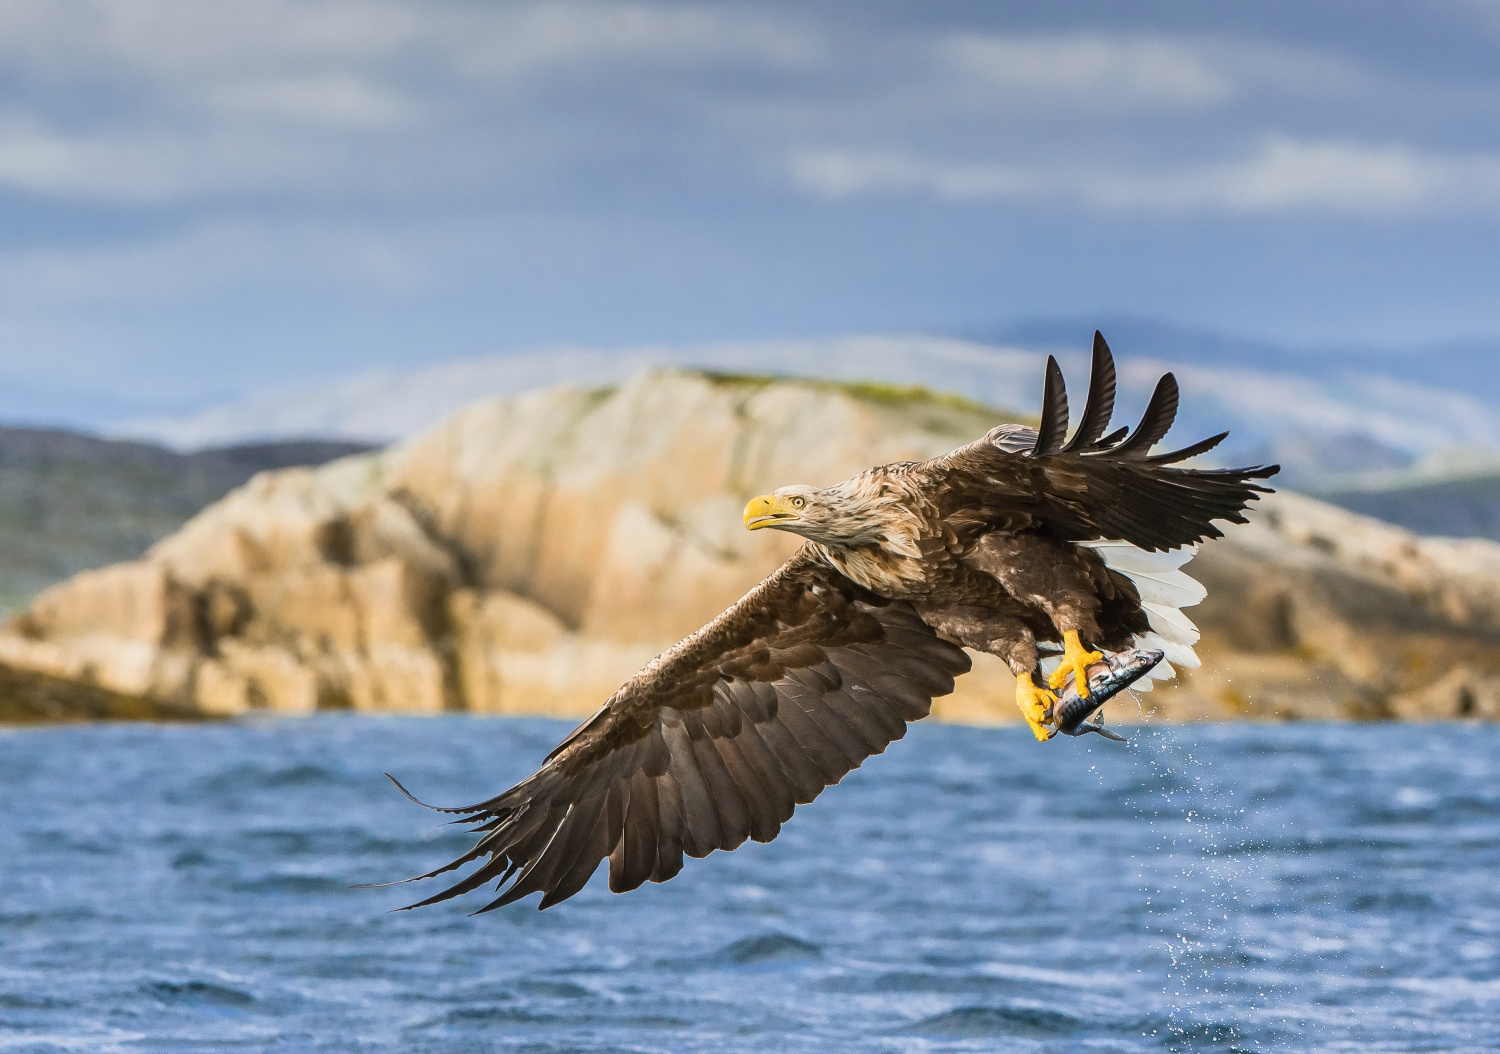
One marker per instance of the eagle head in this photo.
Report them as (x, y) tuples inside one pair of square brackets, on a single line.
[(821, 515), (797, 509)]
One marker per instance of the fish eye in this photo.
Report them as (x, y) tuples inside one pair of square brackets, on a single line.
[(797, 503)]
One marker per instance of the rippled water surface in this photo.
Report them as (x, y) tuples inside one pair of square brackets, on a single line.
[(1225, 888)]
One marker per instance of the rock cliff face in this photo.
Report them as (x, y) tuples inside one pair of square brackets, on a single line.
[(529, 554)]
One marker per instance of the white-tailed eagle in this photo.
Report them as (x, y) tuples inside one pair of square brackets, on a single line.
[(1023, 544)]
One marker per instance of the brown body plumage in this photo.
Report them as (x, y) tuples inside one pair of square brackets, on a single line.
[(995, 546)]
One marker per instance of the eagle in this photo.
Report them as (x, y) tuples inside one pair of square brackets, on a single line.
[(1039, 547)]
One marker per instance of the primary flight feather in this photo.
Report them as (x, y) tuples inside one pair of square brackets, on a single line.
[(1024, 544)]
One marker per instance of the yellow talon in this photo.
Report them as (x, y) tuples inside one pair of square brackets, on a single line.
[(1036, 704), (1076, 659)]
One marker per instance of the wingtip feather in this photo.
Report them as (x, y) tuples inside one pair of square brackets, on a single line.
[(412, 797)]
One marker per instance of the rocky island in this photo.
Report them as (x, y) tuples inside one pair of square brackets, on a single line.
[(528, 554)]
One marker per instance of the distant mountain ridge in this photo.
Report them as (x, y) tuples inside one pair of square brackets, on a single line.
[(70, 501), (1468, 507)]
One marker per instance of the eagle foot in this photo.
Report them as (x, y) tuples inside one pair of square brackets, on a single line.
[(1036, 706), (1076, 660)]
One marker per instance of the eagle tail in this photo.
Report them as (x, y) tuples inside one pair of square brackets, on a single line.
[(1165, 589)]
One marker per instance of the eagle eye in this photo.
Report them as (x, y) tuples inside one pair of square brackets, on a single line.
[(797, 503)]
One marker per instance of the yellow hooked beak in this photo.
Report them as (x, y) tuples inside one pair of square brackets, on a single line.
[(765, 511)]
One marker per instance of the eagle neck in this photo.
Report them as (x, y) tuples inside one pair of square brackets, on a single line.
[(874, 536), (873, 567)]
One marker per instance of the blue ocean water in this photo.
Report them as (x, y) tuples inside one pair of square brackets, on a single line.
[(1211, 888)]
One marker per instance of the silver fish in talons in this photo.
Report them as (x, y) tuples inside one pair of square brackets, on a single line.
[(1107, 679)]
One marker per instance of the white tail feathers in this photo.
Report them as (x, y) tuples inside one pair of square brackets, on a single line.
[(1182, 654), (1164, 591), (1128, 559), (1172, 624)]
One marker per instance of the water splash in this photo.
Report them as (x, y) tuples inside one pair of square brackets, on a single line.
[(1192, 881)]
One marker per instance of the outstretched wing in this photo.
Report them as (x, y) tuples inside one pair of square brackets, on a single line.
[(1092, 486), (716, 740)]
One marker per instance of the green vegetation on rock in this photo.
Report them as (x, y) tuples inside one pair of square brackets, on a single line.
[(940, 412)]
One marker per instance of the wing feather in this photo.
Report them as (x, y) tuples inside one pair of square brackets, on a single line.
[(802, 773), (821, 749), (885, 713), (1090, 490), (1100, 405), (587, 846), (670, 833), (1054, 424), (723, 794), (634, 855), (775, 785), (701, 833), (716, 741), (862, 720), (1156, 422), (760, 805)]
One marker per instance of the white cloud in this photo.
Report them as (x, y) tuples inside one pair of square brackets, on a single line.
[(409, 100), (527, 39), (1406, 416), (1098, 74), (1109, 72), (187, 40), (394, 109), (328, 101), (192, 42), (155, 165), (1281, 175), (1346, 177), (222, 255), (847, 174), (156, 102), (99, 166)]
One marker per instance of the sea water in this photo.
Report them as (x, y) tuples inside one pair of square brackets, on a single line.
[(1206, 888)]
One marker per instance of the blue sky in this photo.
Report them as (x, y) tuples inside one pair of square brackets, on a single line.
[(203, 200)]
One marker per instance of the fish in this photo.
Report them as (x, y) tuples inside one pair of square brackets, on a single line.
[(1107, 679)]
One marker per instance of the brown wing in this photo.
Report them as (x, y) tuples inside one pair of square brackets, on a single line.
[(716, 740), (1090, 488)]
